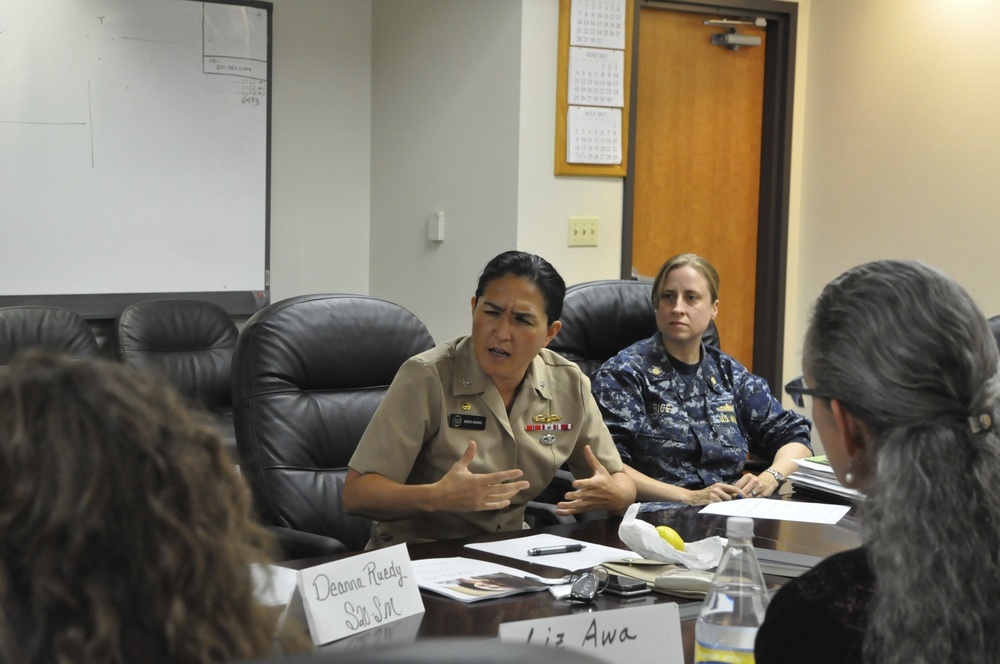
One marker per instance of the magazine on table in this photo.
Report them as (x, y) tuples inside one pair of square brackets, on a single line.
[(470, 580)]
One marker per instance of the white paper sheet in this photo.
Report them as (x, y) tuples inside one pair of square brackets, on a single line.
[(785, 510), (273, 585)]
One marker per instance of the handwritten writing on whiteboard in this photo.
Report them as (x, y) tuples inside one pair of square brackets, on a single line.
[(348, 596), (650, 633)]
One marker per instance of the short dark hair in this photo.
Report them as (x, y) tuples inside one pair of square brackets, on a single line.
[(535, 269)]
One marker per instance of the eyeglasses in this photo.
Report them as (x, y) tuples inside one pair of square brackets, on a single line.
[(587, 584), (796, 389)]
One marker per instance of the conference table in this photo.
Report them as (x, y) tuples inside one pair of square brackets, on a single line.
[(445, 617)]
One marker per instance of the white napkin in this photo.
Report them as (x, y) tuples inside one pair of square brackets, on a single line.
[(642, 538)]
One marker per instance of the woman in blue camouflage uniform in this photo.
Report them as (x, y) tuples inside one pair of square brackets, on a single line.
[(685, 415)]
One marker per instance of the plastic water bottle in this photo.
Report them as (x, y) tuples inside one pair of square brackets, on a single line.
[(734, 606)]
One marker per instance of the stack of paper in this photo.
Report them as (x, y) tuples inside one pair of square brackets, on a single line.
[(815, 475)]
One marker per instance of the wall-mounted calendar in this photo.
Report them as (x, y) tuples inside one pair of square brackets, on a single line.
[(598, 23), (596, 77), (595, 41), (594, 135)]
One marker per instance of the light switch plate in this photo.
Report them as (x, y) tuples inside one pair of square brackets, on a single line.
[(582, 232)]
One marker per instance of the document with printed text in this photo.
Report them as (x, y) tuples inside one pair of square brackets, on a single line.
[(785, 510)]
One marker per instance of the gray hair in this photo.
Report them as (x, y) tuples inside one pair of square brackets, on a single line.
[(905, 349)]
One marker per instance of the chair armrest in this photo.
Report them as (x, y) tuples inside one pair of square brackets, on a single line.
[(755, 465), (545, 514), (297, 544)]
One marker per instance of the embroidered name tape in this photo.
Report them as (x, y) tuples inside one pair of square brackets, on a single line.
[(460, 421), (548, 427)]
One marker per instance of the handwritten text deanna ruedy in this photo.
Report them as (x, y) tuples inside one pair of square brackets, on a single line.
[(375, 609)]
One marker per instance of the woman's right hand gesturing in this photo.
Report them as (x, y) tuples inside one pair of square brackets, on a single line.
[(461, 490)]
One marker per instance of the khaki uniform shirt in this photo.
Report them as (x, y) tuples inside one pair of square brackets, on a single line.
[(441, 399)]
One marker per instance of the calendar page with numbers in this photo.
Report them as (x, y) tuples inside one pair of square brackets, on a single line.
[(594, 135), (598, 23)]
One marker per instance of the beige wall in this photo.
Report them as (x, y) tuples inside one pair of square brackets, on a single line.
[(901, 150), (902, 142), (895, 152), (463, 121), (444, 138), (320, 146), (546, 202)]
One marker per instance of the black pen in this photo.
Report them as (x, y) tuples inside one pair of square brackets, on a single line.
[(549, 550)]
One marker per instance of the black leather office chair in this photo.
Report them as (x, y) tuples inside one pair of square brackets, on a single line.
[(600, 318), (52, 328), (308, 374), (458, 650), (191, 344)]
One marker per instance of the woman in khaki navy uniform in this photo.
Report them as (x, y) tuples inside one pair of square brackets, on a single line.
[(473, 429)]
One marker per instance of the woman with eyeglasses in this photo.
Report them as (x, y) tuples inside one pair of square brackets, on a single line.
[(902, 369), (683, 414)]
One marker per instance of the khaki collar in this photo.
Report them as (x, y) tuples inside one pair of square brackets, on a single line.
[(469, 377)]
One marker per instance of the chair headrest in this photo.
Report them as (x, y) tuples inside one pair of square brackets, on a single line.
[(52, 328), (602, 317), (173, 325), (190, 342), (328, 342)]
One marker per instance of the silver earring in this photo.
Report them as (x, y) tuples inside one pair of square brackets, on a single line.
[(849, 475)]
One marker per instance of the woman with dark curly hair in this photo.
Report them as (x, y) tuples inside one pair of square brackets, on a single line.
[(125, 532)]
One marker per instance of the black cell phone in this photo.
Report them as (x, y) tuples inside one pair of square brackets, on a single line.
[(626, 586)]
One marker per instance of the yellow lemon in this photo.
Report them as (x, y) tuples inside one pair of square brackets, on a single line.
[(671, 536)]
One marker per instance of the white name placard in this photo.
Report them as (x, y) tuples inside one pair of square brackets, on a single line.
[(403, 630), (358, 593), (650, 633)]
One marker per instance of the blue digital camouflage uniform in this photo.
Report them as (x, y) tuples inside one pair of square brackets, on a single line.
[(691, 435)]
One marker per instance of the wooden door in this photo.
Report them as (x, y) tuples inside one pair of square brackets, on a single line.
[(697, 159)]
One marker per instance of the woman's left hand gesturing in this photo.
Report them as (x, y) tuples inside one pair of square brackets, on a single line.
[(600, 491)]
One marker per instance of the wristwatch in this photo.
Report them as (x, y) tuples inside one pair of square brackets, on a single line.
[(778, 476)]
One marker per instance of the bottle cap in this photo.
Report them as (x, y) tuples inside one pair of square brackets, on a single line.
[(739, 526)]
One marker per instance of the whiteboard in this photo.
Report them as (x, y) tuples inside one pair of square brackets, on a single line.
[(134, 149)]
